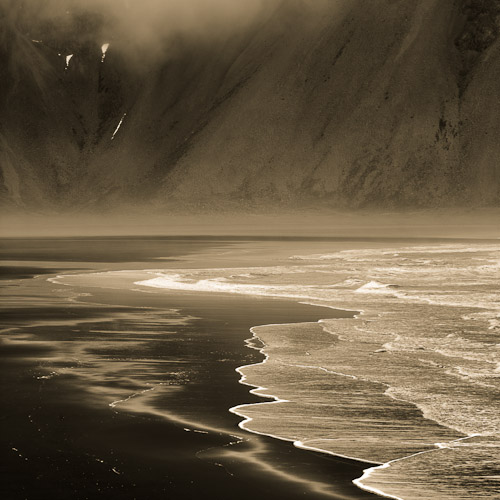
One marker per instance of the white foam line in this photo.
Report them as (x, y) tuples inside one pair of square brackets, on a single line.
[(257, 390), (261, 391), (331, 372), (302, 445), (55, 278), (355, 313), (423, 409), (304, 299), (368, 472), (135, 394)]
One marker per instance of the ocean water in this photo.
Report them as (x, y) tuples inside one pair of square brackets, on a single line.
[(412, 382), (110, 387)]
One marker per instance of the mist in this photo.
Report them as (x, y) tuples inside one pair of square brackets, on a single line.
[(223, 106), (477, 224), (143, 29)]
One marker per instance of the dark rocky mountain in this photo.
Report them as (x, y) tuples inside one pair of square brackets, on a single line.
[(347, 103)]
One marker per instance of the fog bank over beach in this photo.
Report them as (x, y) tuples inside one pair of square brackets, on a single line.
[(307, 223)]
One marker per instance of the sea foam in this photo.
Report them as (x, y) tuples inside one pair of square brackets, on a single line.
[(412, 383)]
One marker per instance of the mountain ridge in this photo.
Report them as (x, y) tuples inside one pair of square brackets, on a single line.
[(345, 104)]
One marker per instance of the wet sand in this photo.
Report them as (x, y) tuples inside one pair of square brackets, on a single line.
[(68, 361)]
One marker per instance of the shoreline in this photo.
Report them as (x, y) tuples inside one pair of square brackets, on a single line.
[(276, 399), (326, 476), (256, 390), (190, 295), (288, 349)]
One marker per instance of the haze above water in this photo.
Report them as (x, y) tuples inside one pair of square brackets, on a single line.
[(478, 223)]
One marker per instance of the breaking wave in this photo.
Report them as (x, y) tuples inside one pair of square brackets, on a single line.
[(411, 383)]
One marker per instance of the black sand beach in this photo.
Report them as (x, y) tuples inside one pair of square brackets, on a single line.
[(68, 431)]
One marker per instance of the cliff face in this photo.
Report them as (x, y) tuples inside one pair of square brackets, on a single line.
[(387, 103)]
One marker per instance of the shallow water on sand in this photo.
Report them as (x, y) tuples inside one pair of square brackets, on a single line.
[(115, 392), (413, 382), (410, 384)]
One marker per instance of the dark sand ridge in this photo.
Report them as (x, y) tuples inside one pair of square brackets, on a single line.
[(70, 443)]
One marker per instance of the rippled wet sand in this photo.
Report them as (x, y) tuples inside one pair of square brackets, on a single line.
[(123, 394)]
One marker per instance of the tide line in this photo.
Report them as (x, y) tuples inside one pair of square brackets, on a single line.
[(257, 390), (368, 472), (261, 391)]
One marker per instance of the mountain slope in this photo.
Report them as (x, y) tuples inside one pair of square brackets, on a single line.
[(347, 103)]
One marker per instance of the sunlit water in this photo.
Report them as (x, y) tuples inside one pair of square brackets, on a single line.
[(412, 382)]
